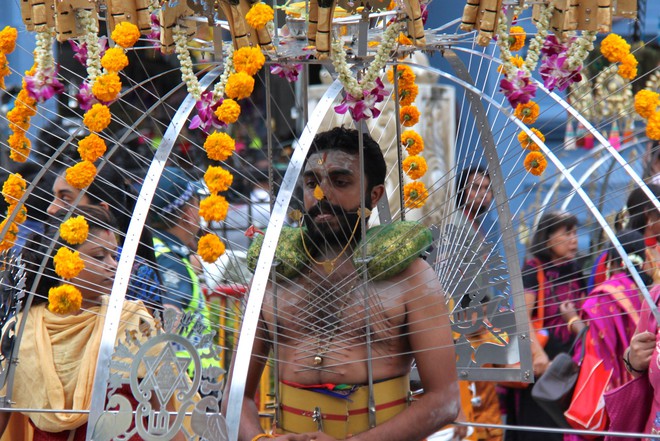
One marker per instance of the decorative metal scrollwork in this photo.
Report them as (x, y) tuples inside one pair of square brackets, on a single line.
[(167, 371)]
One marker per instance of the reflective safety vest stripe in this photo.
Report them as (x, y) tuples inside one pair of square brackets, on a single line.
[(197, 303)]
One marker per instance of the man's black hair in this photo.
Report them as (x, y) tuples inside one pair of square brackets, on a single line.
[(348, 140), (462, 181)]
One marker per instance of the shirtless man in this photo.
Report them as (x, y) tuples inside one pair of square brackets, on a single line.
[(322, 321)]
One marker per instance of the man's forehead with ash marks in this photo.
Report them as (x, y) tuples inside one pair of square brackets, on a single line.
[(329, 160)]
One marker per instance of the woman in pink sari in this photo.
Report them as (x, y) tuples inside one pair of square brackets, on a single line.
[(612, 310)]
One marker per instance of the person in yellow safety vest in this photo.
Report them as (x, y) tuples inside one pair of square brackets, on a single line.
[(175, 219)]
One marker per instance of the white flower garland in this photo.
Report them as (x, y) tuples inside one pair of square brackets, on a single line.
[(43, 52), (354, 87), (534, 50), (579, 50), (91, 41), (187, 73)]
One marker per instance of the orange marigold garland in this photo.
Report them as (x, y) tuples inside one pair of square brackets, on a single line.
[(535, 163), (249, 60), (219, 146), (210, 248), (415, 166), (409, 116), (527, 142), (10, 236), (239, 85), (125, 34), (259, 15), (218, 179), (646, 103), (653, 126), (91, 147), (75, 230), (412, 142), (68, 263), (415, 194), (97, 118), (81, 175), (228, 112), (64, 299), (527, 113), (214, 208), (14, 188)]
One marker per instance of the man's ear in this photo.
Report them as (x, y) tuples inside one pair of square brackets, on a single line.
[(376, 193), (105, 206)]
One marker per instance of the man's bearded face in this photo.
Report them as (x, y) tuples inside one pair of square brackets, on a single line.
[(331, 224)]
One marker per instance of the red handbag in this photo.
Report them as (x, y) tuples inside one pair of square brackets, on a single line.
[(587, 409)]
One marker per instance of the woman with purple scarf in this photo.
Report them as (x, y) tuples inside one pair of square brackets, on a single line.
[(611, 310), (551, 276)]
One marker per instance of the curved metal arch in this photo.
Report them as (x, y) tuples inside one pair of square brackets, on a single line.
[(591, 170), (262, 271), (611, 150), (129, 249)]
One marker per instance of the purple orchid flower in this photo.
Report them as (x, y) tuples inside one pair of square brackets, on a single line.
[(555, 74), (43, 85), (205, 118), (518, 91), (80, 49), (85, 97), (286, 70), (552, 46), (154, 35), (364, 107), (425, 12)]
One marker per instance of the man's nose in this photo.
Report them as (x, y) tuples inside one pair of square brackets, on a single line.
[(53, 208)]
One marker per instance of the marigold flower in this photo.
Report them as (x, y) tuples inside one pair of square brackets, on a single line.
[(259, 15), (107, 87), (646, 102), (404, 74), (125, 34), (68, 263), (412, 142), (318, 193), (415, 194), (239, 85), (516, 61), (20, 147), (218, 179), (535, 163), (91, 147), (402, 39), (10, 236), (219, 146), (409, 116), (526, 141), (114, 59), (214, 208), (26, 102), (528, 112), (14, 188), (614, 48), (19, 117), (64, 299), (249, 60), (210, 248), (81, 175), (21, 213), (228, 112), (517, 36), (97, 118), (75, 230), (408, 94), (653, 127), (8, 38), (415, 166), (628, 67)]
